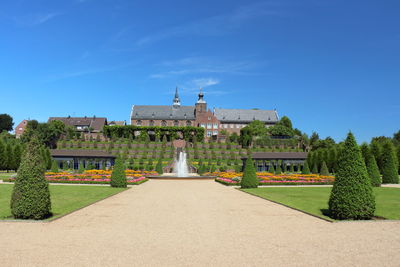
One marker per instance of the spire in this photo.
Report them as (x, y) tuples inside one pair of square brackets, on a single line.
[(201, 97), (176, 101)]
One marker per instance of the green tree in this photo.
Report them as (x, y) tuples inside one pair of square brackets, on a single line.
[(6, 123), (315, 169), (390, 173), (9, 157), (118, 177), (31, 196), (17, 156), (324, 169), (249, 179), (306, 169), (54, 166), (159, 167), (373, 171), (351, 196), (278, 168)]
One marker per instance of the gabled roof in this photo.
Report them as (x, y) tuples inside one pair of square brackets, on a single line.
[(96, 123), (246, 115), (162, 112), (119, 123)]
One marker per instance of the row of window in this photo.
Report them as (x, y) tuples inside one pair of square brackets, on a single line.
[(211, 133), (163, 123), (209, 125), (237, 126)]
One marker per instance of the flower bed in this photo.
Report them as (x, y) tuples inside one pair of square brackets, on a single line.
[(94, 177), (265, 178)]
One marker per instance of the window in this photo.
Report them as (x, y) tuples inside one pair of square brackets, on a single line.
[(151, 123), (225, 126), (215, 132), (139, 123), (209, 118), (232, 126), (209, 133), (164, 123), (188, 123), (209, 125), (215, 125), (203, 125), (176, 123), (238, 126)]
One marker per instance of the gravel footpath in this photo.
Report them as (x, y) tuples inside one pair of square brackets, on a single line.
[(196, 223)]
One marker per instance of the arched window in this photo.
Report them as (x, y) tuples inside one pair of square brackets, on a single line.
[(164, 123), (176, 123), (139, 123), (188, 123)]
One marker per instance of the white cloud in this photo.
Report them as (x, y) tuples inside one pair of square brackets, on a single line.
[(35, 20), (205, 82), (215, 25)]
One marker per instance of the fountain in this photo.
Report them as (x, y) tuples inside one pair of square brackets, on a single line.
[(179, 169), (180, 166)]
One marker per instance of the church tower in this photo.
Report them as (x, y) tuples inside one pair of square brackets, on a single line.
[(177, 100), (201, 105)]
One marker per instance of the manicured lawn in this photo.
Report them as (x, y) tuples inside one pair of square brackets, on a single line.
[(6, 174), (315, 200), (65, 199)]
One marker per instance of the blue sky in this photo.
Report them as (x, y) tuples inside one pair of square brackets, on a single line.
[(331, 66)]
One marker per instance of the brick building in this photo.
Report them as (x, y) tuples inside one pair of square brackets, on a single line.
[(20, 128), (231, 120)]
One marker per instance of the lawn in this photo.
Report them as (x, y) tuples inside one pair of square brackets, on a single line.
[(315, 200), (4, 175), (65, 199)]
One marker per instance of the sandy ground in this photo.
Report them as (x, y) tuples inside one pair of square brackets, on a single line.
[(196, 223)]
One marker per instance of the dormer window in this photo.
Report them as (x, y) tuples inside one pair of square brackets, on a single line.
[(139, 123)]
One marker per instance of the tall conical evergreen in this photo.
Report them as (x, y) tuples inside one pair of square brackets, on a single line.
[(324, 169), (54, 166), (249, 179), (159, 167), (31, 196), (278, 168), (315, 169), (306, 169), (272, 169), (351, 196), (17, 156), (373, 171), (389, 165), (118, 177)]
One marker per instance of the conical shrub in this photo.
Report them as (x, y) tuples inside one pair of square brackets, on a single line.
[(31, 196), (249, 179), (118, 177), (352, 196), (54, 166), (373, 171), (278, 169), (306, 169), (159, 167), (389, 165), (315, 169), (324, 169)]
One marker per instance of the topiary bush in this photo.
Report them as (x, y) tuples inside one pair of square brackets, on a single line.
[(389, 165), (54, 166), (306, 169), (249, 179), (118, 177), (159, 167), (351, 196), (31, 196), (372, 166), (324, 169)]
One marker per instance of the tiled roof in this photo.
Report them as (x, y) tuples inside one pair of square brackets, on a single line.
[(96, 123), (162, 112), (246, 115), (120, 123)]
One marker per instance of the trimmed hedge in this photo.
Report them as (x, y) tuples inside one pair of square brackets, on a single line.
[(126, 131), (351, 196), (118, 177), (82, 182), (31, 196), (249, 179)]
